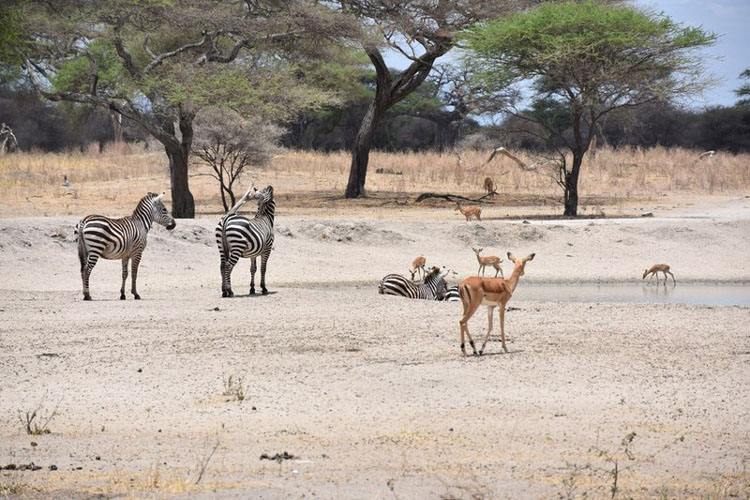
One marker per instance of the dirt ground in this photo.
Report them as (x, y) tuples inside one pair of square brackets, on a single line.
[(355, 395)]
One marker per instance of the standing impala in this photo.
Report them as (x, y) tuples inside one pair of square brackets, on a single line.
[(469, 211), (490, 260), (491, 292)]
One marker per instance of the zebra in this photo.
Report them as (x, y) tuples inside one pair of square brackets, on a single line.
[(123, 239), (451, 294), (237, 236), (432, 288)]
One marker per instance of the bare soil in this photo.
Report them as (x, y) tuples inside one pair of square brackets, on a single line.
[(356, 395)]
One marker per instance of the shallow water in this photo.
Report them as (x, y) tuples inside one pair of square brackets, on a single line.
[(697, 294)]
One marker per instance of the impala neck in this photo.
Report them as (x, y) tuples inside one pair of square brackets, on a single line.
[(513, 280)]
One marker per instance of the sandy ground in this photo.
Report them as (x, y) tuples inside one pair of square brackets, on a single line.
[(370, 394)]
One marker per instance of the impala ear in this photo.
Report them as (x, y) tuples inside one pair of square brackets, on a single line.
[(529, 257), (511, 258)]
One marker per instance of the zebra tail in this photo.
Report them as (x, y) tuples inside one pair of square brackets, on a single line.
[(224, 245), (82, 250)]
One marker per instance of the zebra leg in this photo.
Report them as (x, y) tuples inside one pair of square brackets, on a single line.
[(263, 261), (231, 261), (134, 268), (124, 277), (86, 273), (253, 268)]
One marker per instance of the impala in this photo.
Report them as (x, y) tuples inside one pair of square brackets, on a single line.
[(491, 292)]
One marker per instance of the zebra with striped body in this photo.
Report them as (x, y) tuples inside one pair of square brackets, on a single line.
[(433, 287), (125, 239), (237, 236), (451, 294)]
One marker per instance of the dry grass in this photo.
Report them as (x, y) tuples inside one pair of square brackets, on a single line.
[(113, 180)]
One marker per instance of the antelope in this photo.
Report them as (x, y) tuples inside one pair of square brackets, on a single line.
[(490, 260), (469, 211), (418, 265), (489, 186), (658, 268), (492, 292)]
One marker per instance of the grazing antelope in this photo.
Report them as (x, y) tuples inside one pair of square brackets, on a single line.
[(658, 268), (490, 187), (418, 267), (469, 211), (491, 292), (490, 260)]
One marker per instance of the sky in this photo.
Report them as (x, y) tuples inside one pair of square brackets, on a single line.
[(730, 19)]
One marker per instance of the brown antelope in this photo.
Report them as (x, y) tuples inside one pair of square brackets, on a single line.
[(489, 186), (418, 265), (491, 292), (490, 260), (469, 211), (658, 268)]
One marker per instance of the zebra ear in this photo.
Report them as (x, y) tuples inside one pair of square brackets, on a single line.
[(159, 196)]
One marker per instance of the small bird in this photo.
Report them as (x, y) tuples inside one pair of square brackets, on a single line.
[(66, 183)]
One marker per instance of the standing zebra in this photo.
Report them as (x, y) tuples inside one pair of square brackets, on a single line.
[(124, 239), (237, 236), (433, 287)]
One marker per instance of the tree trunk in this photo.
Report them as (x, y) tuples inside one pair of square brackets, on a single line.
[(116, 119), (183, 205), (571, 185), (361, 151)]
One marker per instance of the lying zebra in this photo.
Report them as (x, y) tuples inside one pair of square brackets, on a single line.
[(124, 239), (433, 287), (451, 294)]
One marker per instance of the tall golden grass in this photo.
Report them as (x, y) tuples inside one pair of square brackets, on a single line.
[(30, 183)]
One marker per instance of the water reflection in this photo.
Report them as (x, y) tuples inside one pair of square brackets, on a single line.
[(713, 295)]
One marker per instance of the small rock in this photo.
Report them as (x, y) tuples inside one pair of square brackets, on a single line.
[(53, 467), (34, 444), (97, 457), (140, 370)]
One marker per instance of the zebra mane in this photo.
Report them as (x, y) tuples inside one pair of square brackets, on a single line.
[(432, 273)]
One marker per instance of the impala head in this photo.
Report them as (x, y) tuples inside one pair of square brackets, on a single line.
[(477, 250), (645, 272), (159, 212), (520, 263)]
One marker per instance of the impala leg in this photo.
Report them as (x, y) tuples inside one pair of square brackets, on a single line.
[(125, 262), (650, 277), (502, 326), (490, 310), (674, 282), (253, 268), (136, 260), (469, 310)]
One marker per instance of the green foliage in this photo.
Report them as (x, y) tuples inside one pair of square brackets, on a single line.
[(744, 91), (73, 75), (579, 43), (12, 37)]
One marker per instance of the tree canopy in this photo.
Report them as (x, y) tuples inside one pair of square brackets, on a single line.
[(591, 58)]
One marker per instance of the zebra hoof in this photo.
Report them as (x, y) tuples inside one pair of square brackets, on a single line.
[(481, 352), (264, 291), (122, 296), (87, 297), (224, 293), (252, 290), (137, 297)]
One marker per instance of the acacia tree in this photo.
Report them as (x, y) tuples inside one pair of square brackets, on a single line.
[(744, 91), (159, 62), (229, 143), (590, 59), (421, 31)]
